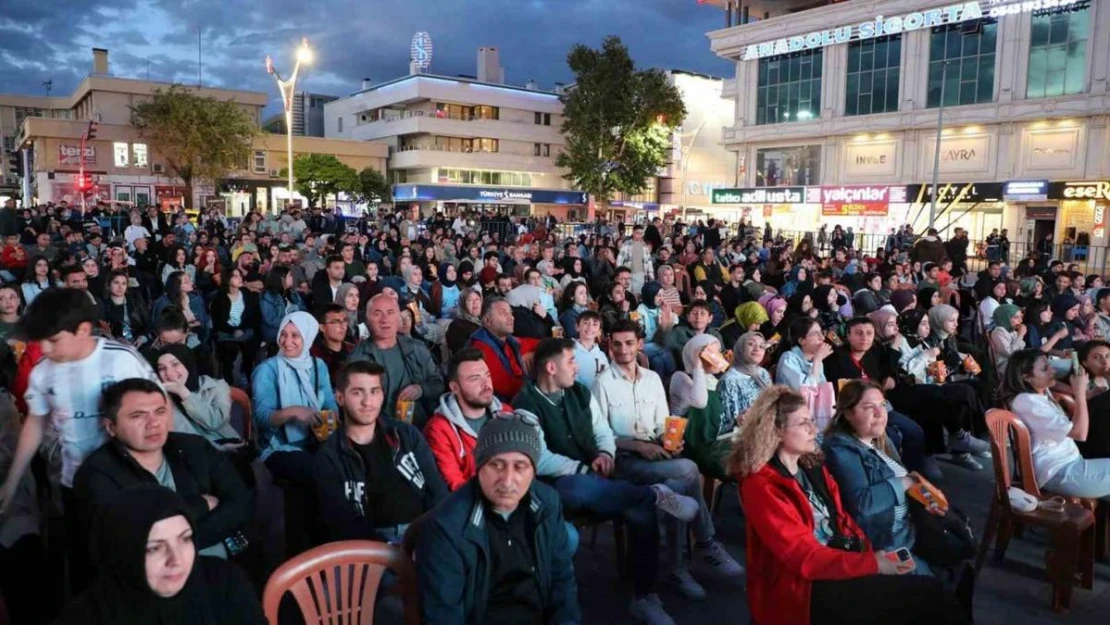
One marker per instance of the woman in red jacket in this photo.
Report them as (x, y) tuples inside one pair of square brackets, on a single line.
[(808, 561)]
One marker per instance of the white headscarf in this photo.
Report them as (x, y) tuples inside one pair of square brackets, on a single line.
[(296, 376)]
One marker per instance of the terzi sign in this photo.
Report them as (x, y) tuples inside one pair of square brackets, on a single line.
[(759, 195), (882, 25)]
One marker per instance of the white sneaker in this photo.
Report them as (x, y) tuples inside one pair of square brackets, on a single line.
[(687, 585), (716, 556), (649, 609), (680, 507)]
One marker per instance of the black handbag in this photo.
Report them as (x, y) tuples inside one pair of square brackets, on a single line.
[(942, 541)]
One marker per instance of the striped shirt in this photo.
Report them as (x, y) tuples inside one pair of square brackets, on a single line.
[(901, 511)]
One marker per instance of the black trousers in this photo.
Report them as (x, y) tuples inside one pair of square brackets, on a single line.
[(22, 573), (936, 408), (884, 599), (77, 545), (226, 351)]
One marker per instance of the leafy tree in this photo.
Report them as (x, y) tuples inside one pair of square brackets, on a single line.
[(618, 121), (200, 138), (317, 176), (373, 187)]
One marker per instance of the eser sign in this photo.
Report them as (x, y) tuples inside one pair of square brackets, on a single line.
[(71, 154)]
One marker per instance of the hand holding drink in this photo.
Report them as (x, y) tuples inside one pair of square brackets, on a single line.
[(674, 429), (325, 425)]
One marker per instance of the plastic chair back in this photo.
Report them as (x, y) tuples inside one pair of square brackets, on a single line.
[(243, 424), (337, 583), (1009, 433)]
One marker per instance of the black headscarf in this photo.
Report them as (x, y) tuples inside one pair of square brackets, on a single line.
[(185, 355), (908, 322), (820, 298), (925, 298), (121, 595), (648, 293)]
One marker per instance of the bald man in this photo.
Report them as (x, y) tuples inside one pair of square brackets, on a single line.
[(411, 373)]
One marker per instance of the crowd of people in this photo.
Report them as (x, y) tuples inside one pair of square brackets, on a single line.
[(475, 390)]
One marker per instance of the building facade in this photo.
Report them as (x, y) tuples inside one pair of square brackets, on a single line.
[(837, 111), (464, 142), (308, 115), (124, 168)]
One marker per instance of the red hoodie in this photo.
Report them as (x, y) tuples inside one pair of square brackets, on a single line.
[(452, 440), (784, 555)]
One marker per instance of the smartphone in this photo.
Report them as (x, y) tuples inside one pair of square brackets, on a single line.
[(1075, 361), (901, 555)]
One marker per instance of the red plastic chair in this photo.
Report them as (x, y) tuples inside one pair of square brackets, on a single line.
[(337, 583), (239, 398)]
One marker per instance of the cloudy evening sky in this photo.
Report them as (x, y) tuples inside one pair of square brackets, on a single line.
[(44, 40)]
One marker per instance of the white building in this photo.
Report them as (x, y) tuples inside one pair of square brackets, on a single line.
[(842, 99), (464, 141)]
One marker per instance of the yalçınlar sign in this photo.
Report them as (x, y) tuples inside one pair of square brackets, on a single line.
[(880, 26)]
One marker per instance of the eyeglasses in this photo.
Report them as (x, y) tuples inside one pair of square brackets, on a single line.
[(526, 418)]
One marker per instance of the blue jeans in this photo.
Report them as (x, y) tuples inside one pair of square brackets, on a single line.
[(1089, 479), (660, 359), (683, 477), (617, 499), (910, 439)]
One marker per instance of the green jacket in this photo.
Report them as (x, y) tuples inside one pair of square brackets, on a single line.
[(568, 429)]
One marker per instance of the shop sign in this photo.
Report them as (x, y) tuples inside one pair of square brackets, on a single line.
[(1054, 149), (760, 195), (1025, 190), (870, 159), (427, 192), (960, 154), (882, 25), (855, 200), (956, 192), (70, 154), (1099, 190), (1040, 212), (704, 188), (1099, 231)]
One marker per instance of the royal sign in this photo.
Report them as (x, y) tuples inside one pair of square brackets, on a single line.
[(759, 195), (69, 154), (856, 200), (882, 25)]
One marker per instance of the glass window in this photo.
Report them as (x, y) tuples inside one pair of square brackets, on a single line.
[(138, 151), (487, 112), (535, 149), (963, 56), (1058, 52), (547, 149), (873, 67), (789, 166), (339, 120), (259, 165), (539, 119), (790, 87), (487, 145), (547, 119), (122, 153)]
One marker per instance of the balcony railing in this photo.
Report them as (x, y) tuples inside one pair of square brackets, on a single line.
[(401, 115), (444, 148)]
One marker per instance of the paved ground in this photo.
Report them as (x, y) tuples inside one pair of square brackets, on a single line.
[(1010, 593)]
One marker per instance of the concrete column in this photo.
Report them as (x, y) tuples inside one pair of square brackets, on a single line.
[(1011, 76), (834, 81)]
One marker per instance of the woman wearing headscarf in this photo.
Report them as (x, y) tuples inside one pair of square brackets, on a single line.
[(705, 291), (938, 405), (348, 296), (150, 573), (289, 391), (466, 322), (1065, 311), (800, 305), (903, 299), (798, 281), (738, 388), (573, 301), (201, 404), (927, 298), (445, 292), (826, 299), (1008, 335), (657, 319), (1030, 289), (574, 270), (693, 394), (747, 317), (466, 274)]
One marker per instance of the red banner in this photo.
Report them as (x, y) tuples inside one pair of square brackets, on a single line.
[(855, 210), (855, 200)]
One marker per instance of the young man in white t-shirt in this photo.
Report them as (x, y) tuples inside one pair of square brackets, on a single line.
[(63, 396)]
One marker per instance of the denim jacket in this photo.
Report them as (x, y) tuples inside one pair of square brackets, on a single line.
[(868, 489)]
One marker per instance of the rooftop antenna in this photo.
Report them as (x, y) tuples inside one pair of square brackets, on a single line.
[(48, 85)]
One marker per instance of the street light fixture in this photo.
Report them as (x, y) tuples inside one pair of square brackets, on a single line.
[(288, 88)]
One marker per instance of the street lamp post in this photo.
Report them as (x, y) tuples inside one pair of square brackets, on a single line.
[(936, 154), (686, 166), (288, 87)]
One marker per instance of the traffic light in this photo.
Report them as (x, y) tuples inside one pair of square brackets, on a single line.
[(15, 163), (91, 132)]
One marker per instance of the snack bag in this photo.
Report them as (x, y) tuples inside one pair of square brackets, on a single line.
[(674, 428), (928, 495), (713, 360), (405, 409)]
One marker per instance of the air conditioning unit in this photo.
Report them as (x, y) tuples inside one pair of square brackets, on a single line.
[(158, 168), (274, 173)]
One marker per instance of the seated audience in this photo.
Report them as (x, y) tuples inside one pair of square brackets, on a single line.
[(592, 361), (332, 346), (815, 564), (504, 353), (200, 404)]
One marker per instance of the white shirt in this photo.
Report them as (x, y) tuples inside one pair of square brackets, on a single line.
[(68, 394), (590, 363), (135, 232), (1048, 427), (634, 408)]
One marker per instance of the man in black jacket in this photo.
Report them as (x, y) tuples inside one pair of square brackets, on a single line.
[(497, 550), (374, 476), (138, 417)]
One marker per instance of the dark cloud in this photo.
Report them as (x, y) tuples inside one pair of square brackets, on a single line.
[(352, 39)]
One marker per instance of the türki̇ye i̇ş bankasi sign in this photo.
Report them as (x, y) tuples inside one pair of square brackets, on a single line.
[(881, 26)]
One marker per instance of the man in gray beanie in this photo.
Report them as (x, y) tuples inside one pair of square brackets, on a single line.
[(497, 550)]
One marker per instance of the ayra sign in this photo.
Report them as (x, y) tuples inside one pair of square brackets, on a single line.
[(882, 25)]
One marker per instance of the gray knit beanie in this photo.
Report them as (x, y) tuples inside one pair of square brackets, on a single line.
[(505, 434)]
